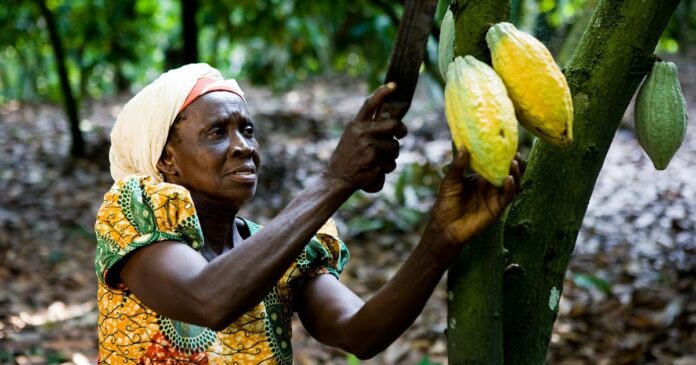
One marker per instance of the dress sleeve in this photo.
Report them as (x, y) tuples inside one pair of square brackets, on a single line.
[(139, 211), (325, 253)]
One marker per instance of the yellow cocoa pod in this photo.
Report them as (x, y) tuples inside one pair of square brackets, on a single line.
[(534, 82), (481, 117)]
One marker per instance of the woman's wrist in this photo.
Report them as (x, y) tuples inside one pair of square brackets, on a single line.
[(436, 246), (337, 184)]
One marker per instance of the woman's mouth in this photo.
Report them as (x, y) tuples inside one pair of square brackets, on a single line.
[(244, 176)]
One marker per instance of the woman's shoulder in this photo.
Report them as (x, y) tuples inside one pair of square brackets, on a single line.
[(148, 185), (138, 211), (144, 205)]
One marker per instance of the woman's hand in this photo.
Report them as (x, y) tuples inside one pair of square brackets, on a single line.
[(368, 147), (466, 205)]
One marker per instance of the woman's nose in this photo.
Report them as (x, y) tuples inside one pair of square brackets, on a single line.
[(240, 146)]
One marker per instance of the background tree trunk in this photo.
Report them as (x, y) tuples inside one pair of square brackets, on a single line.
[(189, 30), (574, 34), (612, 58), (69, 102), (475, 283)]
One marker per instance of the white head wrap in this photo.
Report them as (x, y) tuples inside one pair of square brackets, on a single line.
[(141, 129)]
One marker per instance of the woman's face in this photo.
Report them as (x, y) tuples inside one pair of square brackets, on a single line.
[(212, 150)]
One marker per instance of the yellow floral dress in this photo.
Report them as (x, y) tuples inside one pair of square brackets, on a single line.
[(140, 211)]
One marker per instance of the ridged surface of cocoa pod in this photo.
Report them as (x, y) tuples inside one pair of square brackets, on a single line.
[(534, 82), (481, 117), (660, 114), (445, 47)]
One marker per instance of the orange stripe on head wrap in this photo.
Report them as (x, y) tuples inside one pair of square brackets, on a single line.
[(205, 85)]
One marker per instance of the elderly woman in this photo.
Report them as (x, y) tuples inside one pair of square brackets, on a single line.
[(183, 279)]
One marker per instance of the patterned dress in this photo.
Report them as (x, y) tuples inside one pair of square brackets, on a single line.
[(139, 211)]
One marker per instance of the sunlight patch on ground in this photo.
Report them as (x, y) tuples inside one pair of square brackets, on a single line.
[(56, 312)]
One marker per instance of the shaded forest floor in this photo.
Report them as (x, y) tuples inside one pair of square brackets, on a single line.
[(630, 294)]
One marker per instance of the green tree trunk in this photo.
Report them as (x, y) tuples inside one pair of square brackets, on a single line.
[(541, 227), (475, 283), (70, 104), (472, 20), (612, 58), (475, 302)]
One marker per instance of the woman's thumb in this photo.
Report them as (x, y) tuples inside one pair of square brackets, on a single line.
[(460, 163)]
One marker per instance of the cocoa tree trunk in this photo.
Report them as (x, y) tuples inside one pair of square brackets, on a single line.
[(69, 101), (541, 227), (475, 281), (612, 58)]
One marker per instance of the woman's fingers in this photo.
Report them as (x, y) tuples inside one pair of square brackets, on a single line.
[(515, 173), (517, 168), (389, 167), (387, 150), (390, 128), (459, 164), (375, 184), (373, 101), (508, 192), (522, 163)]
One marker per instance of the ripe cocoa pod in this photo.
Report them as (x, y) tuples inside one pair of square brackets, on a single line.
[(481, 117), (534, 82), (660, 114), (445, 47)]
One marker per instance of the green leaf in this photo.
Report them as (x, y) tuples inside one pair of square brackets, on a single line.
[(587, 281), (352, 360), (426, 361)]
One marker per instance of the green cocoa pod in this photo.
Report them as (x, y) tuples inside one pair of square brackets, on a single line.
[(445, 48), (660, 114)]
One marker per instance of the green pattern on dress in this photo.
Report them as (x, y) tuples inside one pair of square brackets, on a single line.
[(134, 208), (278, 317), (278, 327), (186, 337), (317, 255), (190, 230)]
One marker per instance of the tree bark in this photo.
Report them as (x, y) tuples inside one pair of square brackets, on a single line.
[(69, 101), (612, 58), (472, 20), (475, 302), (189, 30), (475, 281)]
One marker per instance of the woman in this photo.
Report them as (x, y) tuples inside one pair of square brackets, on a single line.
[(183, 279)]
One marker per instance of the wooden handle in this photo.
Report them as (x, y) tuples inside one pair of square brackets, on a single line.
[(404, 64)]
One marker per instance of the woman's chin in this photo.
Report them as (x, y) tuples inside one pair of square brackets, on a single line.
[(241, 196)]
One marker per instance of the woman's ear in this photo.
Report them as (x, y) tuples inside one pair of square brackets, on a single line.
[(166, 162)]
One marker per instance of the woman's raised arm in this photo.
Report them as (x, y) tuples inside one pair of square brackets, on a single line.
[(176, 281), (465, 206)]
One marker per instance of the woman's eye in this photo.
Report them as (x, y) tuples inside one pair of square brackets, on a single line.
[(248, 130), (217, 132)]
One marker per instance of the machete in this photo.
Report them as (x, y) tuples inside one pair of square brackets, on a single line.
[(405, 62), (407, 55)]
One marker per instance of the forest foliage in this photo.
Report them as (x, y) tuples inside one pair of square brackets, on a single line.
[(113, 46)]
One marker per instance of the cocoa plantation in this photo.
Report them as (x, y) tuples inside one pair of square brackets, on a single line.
[(592, 261)]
